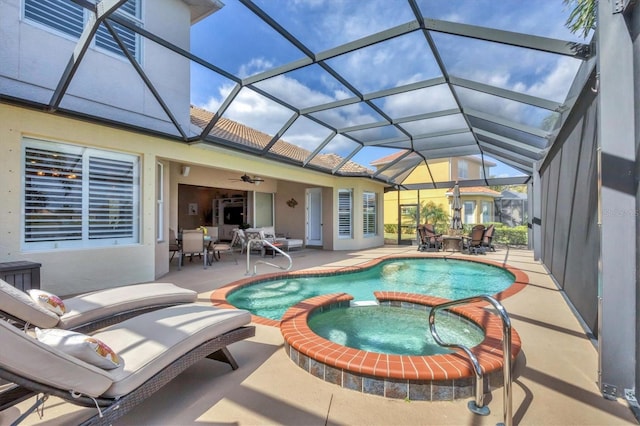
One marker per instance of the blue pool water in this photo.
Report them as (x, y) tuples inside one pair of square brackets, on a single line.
[(376, 329), (450, 279)]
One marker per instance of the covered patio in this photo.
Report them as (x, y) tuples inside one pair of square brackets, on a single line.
[(555, 380)]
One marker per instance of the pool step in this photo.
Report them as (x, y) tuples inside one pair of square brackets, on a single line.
[(364, 303)]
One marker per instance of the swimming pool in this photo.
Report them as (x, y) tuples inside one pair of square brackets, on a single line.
[(414, 377), (445, 278)]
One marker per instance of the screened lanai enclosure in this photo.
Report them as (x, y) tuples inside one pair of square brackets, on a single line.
[(355, 81), (429, 80)]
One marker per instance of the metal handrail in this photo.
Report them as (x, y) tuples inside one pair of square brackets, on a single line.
[(477, 406), (255, 265)]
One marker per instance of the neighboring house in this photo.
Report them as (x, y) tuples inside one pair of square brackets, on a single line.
[(478, 202), (512, 208), (93, 200)]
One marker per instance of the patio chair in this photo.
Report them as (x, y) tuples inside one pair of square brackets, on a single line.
[(472, 244), (226, 248), (487, 240), (147, 352), (174, 244), (253, 241), (428, 238), (242, 239), (192, 244)]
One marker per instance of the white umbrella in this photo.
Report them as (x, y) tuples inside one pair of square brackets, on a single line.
[(456, 220)]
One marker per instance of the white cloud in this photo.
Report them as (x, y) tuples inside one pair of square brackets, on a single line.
[(254, 66)]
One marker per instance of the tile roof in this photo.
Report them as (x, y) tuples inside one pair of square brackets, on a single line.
[(235, 132), (475, 190), (387, 159)]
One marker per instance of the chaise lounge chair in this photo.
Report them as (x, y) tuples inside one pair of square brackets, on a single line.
[(152, 349), (91, 311)]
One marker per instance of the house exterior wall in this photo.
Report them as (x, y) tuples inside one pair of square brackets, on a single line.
[(34, 58), (69, 271)]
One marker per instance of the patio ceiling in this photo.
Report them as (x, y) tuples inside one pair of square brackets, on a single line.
[(491, 81)]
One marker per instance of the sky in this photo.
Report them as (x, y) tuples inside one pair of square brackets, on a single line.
[(240, 44)]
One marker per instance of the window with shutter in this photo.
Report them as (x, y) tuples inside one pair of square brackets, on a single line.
[(369, 207), (69, 18), (78, 197), (345, 213)]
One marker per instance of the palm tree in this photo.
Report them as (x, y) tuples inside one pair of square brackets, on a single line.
[(434, 214), (583, 16)]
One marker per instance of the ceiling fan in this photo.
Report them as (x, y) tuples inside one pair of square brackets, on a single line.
[(248, 179)]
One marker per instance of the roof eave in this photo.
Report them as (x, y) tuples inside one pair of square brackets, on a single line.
[(200, 9)]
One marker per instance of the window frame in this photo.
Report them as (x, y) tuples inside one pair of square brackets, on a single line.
[(345, 214), (89, 177), (471, 214), (369, 217), (489, 213), (463, 169)]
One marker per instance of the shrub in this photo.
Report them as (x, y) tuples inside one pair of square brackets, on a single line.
[(504, 234), (517, 235)]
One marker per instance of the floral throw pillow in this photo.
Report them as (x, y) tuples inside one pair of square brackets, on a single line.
[(48, 301), (87, 348)]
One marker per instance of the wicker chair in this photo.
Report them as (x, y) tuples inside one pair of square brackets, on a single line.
[(473, 243), (428, 238), (487, 240)]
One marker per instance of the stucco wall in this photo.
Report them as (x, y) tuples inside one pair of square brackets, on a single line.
[(74, 271)]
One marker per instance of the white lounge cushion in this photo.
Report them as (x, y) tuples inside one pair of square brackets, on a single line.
[(19, 304), (99, 304), (23, 355), (151, 342)]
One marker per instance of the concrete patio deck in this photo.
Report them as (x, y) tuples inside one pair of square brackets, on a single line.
[(555, 376)]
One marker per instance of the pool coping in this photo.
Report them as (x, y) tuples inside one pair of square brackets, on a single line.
[(219, 296)]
